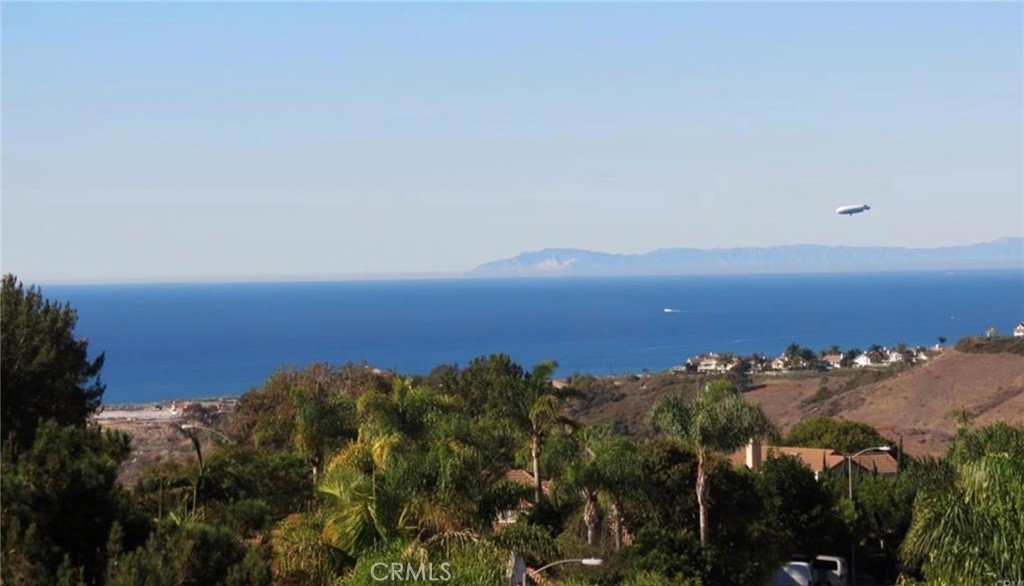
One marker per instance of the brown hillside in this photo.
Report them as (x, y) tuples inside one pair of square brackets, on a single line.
[(919, 403), (915, 403)]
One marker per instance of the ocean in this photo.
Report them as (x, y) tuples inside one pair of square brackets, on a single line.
[(177, 341)]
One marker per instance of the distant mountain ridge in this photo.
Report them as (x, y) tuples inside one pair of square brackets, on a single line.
[(1003, 253)]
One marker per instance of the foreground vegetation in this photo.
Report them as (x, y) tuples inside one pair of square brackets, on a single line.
[(325, 472)]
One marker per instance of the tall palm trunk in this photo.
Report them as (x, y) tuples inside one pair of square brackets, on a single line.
[(314, 462), (617, 523), (535, 452), (590, 517), (702, 496)]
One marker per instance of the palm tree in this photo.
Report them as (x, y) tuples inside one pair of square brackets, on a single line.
[(323, 420), (537, 411), (620, 475), (717, 420), (603, 470), (971, 531), (414, 476)]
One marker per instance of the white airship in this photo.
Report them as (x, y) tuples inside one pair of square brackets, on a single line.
[(850, 210)]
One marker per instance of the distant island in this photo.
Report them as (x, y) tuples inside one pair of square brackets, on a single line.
[(1003, 253)]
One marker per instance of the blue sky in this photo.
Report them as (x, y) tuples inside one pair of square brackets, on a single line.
[(201, 141)]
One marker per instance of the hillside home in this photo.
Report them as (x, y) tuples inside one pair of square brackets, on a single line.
[(784, 363), (863, 360), (780, 363), (894, 357), (758, 363), (714, 363), (832, 361), (693, 362), (711, 364), (991, 332), (819, 460), (1019, 330)]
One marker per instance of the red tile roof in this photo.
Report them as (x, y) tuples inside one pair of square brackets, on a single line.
[(526, 479)]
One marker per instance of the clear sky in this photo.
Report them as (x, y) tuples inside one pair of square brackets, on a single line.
[(202, 141)]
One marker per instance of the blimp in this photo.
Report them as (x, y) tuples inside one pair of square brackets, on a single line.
[(850, 210)]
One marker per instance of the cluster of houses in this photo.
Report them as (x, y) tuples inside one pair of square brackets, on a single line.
[(714, 363), (1018, 331)]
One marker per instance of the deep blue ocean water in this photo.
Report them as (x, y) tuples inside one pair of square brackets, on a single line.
[(201, 340)]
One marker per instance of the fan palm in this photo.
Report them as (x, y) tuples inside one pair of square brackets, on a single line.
[(717, 420)]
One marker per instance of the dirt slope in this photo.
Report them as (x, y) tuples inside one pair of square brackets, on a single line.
[(919, 404)]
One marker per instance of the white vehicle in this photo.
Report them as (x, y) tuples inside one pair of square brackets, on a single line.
[(850, 210), (792, 574)]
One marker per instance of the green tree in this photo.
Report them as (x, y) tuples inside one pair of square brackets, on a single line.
[(323, 422), (968, 517), (415, 474), (60, 502), (673, 553), (972, 531), (191, 554), (290, 410), (280, 479), (972, 444), (799, 510), (837, 434), (45, 372), (301, 556), (717, 420)]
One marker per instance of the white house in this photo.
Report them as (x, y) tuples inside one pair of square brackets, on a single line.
[(863, 360), (1019, 330), (780, 363), (716, 363)]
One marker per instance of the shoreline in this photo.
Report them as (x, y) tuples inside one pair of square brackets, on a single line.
[(169, 411)]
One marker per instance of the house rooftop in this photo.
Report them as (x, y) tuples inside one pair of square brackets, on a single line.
[(820, 459), (817, 459), (526, 479)]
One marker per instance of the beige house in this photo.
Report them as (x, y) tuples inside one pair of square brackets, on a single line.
[(833, 360), (819, 460)]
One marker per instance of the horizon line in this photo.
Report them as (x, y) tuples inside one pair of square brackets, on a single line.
[(469, 273), (383, 277)]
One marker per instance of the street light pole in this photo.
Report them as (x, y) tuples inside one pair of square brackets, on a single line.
[(849, 484), (584, 561)]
